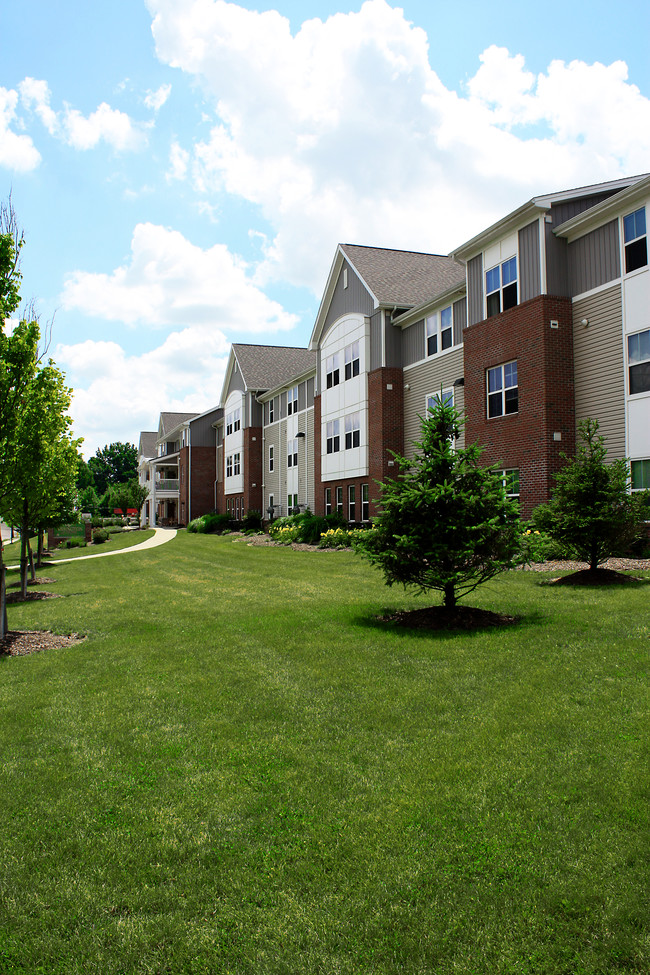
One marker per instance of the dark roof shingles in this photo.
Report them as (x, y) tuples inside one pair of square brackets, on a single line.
[(267, 366), (404, 278)]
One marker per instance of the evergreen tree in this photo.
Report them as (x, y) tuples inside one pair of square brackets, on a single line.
[(446, 523), (591, 509)]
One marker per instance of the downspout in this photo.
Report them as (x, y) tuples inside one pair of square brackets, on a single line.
[(189, 476)]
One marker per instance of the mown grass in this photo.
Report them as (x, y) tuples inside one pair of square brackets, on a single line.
[(115, 542), (242, 771)]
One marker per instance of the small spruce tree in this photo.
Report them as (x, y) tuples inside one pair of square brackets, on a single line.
[(591, 510), (446, 523)]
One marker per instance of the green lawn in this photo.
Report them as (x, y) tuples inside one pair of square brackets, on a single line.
[(119, 540), (242, 772)]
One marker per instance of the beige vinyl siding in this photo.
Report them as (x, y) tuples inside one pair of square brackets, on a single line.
[(424, 379), (599, 366), (272, 479)]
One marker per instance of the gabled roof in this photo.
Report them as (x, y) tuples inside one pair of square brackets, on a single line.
[(147, 444), (403, 278), (636, 192), (169, 422), (267, 366), (541, 204), (393, 278)]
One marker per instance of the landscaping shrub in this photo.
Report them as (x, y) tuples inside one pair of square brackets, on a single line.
[(210, 524), (75, 543), (252, 521), (100, 535), (343, 537)]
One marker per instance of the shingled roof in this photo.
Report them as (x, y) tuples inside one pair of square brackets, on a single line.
[(404, 278), (148, 443), (268, 366), (169, 422)]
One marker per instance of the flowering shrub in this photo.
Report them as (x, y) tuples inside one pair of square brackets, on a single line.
[(537, 546), (343, 537), (285, 531)]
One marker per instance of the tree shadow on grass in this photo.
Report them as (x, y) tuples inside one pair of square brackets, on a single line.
[(599, 578), (440, 621)]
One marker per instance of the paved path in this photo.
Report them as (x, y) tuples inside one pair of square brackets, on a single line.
[(161, 536)]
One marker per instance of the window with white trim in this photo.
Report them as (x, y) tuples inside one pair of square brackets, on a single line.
[(638, 360), (328, 501), (501, 287), (502, 390), (292, 453), (351, 358), (440, 331), (271, 410), (640, 471), (332, 370), (352, 503), (271, 512), (228, 424), (635, 240), (236, 420), (236, 464), (352, 430), (271, 458), (292, 401), (445, 395), (229, 466), (292, 502), (339, 500), (365, 502), (511, 483), (333, 439)]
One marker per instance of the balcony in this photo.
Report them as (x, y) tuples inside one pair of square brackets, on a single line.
[(167, 484)]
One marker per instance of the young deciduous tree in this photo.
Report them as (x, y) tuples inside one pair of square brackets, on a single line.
[(446, 523), (114, 464), (591, 509)]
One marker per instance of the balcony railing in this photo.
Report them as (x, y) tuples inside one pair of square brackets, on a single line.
[(168, 484)]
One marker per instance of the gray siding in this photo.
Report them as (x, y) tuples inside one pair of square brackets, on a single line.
[(600, 367), (594, 259), (376, 343), (393, 338), (530, 281), (460, 319), (236, 382), (354, 298), (202, 431), (254, 411), (310, 392), (567, 209), (557, 264), (272, 478), (413, 346), (423, 380), (283, 405), (302, 396), (475, 290), (309, 429)]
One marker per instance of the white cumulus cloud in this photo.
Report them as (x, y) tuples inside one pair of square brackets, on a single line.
[(343, 130), (17, 151), (168, 281), (156, 99)]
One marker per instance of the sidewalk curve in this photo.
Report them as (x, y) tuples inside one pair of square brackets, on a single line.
[(162, 535)]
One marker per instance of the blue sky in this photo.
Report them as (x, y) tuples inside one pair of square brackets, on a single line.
[(183, 169)]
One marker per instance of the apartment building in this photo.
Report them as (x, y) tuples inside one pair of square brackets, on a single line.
[(537, 322)]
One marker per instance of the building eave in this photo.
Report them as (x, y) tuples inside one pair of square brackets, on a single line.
[(582, 223)]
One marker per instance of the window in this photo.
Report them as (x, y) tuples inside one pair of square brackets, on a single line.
[(511, 483), (271, 458), (271, 410), (638, 358), (292, 401), (501, 287), (229, 466), (352, 503), (270, 511), (352, 431), (345, 277), (636, 240), (292, 502), (351, 356), (640, 470), (236, 465), (434, 398), (365, 503), (292, 453), (236, 420), (229, 424), (502, 390), (440, 331), (339, 500), (333, 438), (332, 370), (328, 501)]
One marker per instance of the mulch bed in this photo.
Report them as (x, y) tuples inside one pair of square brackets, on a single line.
[(441, 618), (18, 643)]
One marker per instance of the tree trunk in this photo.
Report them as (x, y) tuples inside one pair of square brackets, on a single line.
[(39, 553), (450, 595), (31, 561), (24, 542), (4, 626)]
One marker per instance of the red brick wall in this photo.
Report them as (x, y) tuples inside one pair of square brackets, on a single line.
[(546, 392), (252, 469), (319, 494), (385, 426), (203, 478)]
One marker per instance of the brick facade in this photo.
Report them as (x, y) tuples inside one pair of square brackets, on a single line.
[(524, 440), (252, 496)]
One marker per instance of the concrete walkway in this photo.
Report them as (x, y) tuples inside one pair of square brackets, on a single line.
[(161, 536)]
